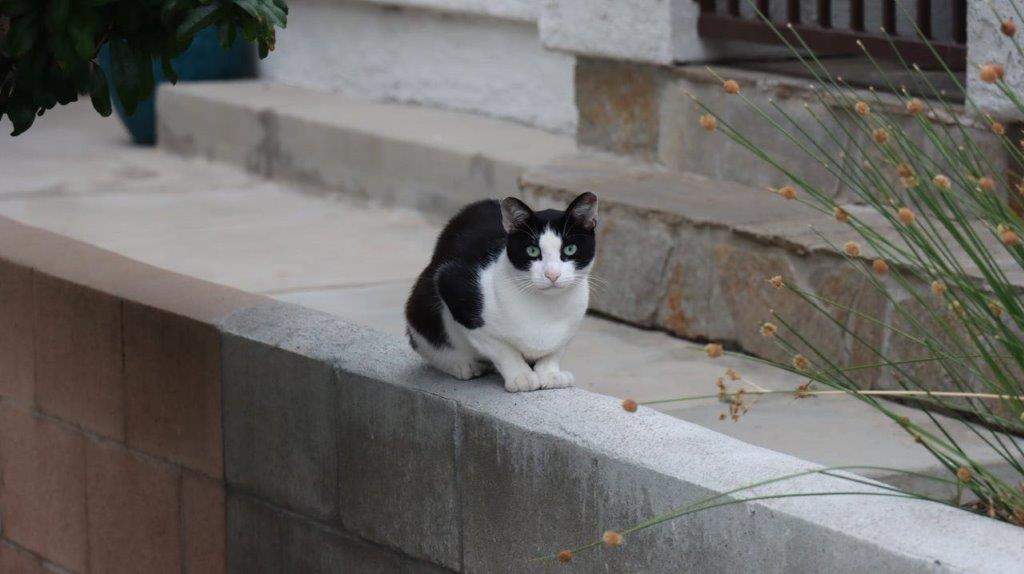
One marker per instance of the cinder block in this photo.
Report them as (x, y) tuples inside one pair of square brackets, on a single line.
[(14, 560), (17, 324), (134, 513), (203, 523), (254, 536), (172, 387), (310, 548), (79, 372), (280, 426), (42, 487), (397, 478)]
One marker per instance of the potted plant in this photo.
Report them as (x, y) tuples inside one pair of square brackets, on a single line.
[(49, 48)]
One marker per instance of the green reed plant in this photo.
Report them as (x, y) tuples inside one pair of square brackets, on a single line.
[(939, 221)]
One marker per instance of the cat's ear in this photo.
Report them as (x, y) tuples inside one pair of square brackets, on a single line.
[(514, 214), (583, 210)]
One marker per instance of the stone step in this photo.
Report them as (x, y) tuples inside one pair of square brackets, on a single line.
[(692, 256), (679, 253), (647, 112), (431, 159)]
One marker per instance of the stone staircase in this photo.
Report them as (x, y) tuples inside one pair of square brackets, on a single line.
[(681, 252)]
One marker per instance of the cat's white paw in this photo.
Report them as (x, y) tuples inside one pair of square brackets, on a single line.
[(528, 381), (467, 371), (556, 380)]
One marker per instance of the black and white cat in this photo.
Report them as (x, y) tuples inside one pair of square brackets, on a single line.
[(508, 287)]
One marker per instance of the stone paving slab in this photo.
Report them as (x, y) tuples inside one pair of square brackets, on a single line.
[(358, 260)]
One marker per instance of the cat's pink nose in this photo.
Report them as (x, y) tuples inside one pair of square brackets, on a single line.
[(552, 275)]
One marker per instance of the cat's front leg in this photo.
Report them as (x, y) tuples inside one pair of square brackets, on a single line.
[(550, 371), (508, 361)]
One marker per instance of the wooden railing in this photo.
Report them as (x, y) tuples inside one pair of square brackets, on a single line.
[(725, 20)]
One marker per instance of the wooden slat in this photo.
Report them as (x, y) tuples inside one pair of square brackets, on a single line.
[(764, 6), (960, 21), (793, 11), (889, 16), (733, 7), (857, 14), (825, 13), (832, 41), (924, 17)]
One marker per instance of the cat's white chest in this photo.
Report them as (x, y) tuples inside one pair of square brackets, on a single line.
[(536, 324)]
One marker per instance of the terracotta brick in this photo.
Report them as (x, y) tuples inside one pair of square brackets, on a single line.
[(14, 560), (42, 486), (172, 375), (79, 371), (16, 327), (134, 516), (203, 524)]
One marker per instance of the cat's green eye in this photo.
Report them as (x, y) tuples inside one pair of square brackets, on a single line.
[(569, 250), (533, 251)]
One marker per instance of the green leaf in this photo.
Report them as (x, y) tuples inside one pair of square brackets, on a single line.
[(227, 34), (99, 91), (22, 36), (169, 71), (197, 20), (251, 7), (57, 14), (83, 36), (127, 75), (18, 7), (62, 50), (22, 116)]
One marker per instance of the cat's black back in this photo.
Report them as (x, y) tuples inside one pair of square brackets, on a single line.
[(470, 240)]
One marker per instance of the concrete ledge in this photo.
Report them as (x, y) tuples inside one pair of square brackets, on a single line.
[(485, 480), (432, 159)]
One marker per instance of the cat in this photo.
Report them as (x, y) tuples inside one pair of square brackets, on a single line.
[(507, 288)]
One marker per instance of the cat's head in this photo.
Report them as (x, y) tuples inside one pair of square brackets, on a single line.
[(552, 249)]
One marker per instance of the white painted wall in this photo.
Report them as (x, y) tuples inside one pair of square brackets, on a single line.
[(524, 10), (489, 65)]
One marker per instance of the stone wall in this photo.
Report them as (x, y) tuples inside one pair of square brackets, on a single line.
[(110, 423), (647, 112), (692, 256)]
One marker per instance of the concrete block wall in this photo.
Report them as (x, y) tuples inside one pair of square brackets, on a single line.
[(346, 453), (110, 421), (150, 422)]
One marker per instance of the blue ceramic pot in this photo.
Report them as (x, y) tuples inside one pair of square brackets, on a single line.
[(205, 59)]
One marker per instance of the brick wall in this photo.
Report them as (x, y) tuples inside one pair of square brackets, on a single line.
[(110, 411)]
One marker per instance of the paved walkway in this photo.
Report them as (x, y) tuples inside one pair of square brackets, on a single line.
[(74, 173)]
